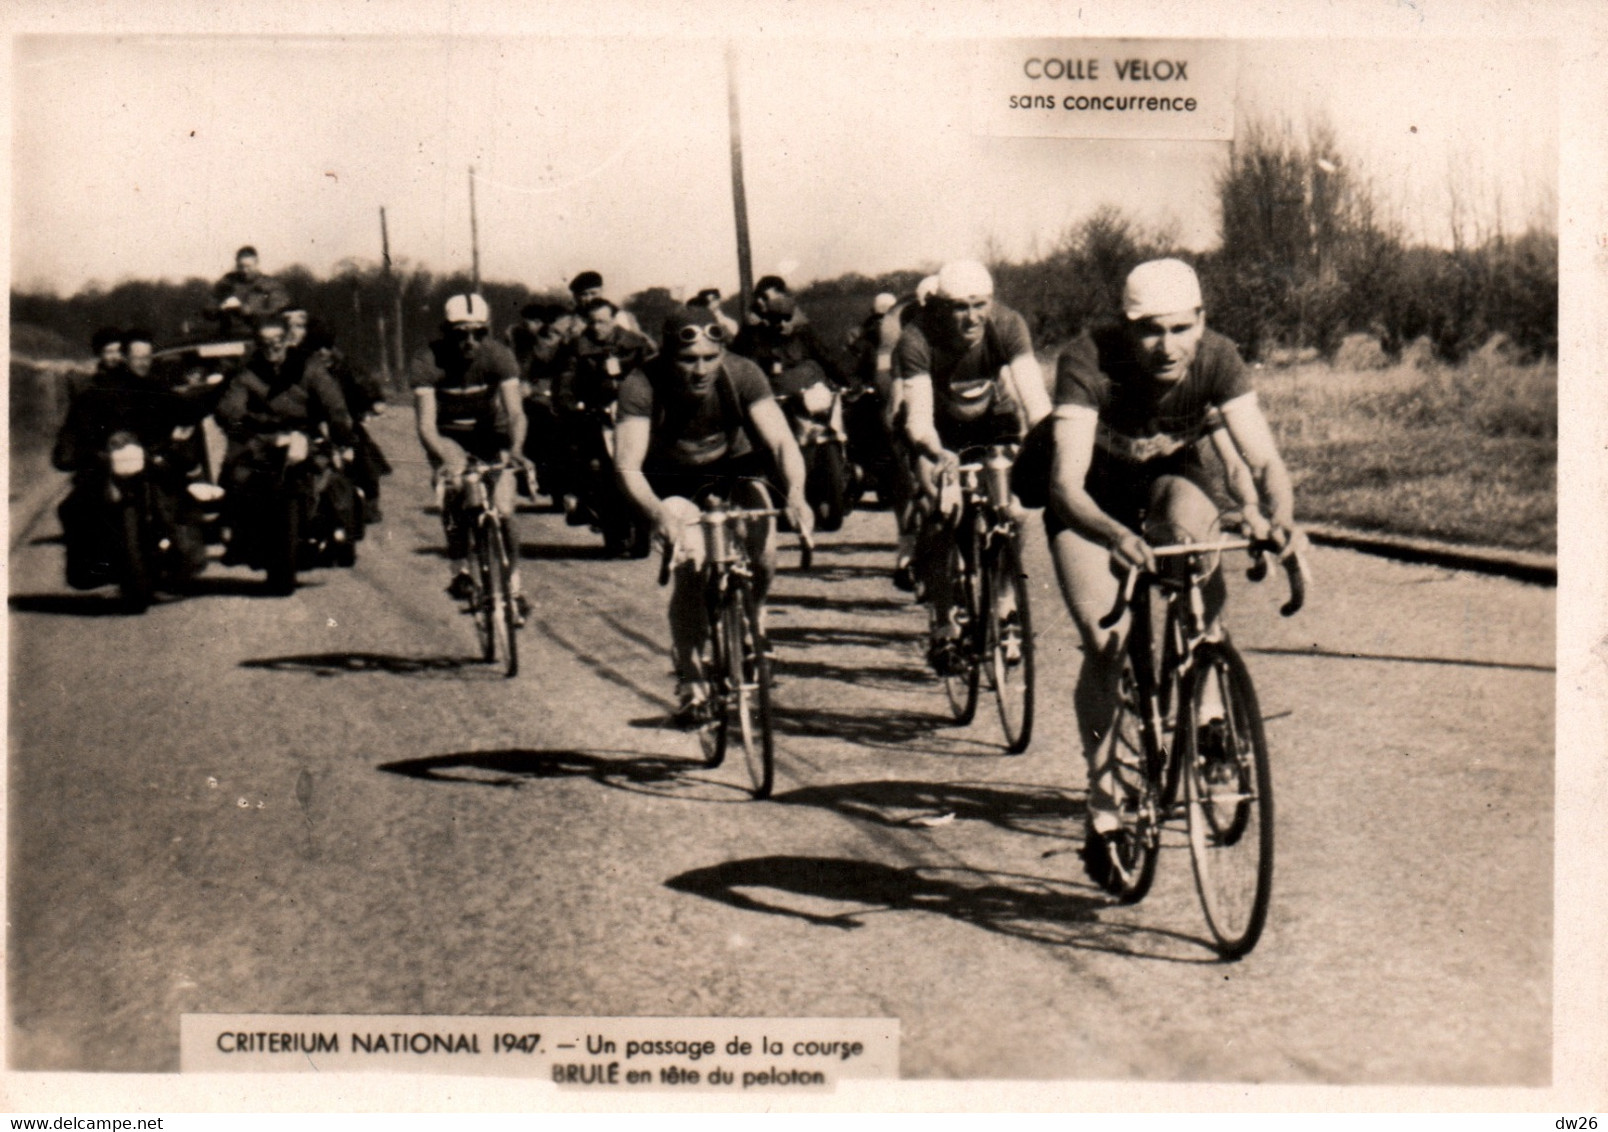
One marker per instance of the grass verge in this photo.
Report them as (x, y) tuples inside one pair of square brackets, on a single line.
[(1467, 454)]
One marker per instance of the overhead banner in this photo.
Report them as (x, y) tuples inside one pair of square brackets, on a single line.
[(1154, 89)]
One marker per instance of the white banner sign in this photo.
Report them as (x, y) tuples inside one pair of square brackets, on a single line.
[(1105, 88)]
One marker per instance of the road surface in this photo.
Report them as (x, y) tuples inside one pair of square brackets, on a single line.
[(321, 803)]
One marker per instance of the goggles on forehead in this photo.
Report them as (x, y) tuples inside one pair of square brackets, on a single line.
[(713, 331)]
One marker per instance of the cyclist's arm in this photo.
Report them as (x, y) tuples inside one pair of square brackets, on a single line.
[(1241, 481), (631, 436), (1071, 454), (513, 400), (920, 429), (1028, 378), (1255, 442), (424, 406), (777, 434)]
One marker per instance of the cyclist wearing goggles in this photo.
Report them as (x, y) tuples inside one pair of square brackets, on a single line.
[(969, 378), (467, 398), (699, 422), (1133, 404)]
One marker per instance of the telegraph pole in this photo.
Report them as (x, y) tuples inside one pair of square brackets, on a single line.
[(385, 268), (474, 234), (739, 198)]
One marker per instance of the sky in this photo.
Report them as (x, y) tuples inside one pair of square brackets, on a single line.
[(158, 156)]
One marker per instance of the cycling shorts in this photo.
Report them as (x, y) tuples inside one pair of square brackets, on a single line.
[(1125, 491), (988, 429), (485, 441), (698, 482)]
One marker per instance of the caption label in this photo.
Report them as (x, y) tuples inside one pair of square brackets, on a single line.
[(1105, 88), (728, 1054)]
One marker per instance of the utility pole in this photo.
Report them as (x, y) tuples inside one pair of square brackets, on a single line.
[(385, 268), (474, 234), (739, 198)]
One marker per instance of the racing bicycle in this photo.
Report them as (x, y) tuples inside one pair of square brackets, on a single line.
[(491, 562), (990, 594), (1188, 716)]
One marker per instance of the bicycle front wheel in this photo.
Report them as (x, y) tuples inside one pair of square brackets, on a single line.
[(962, 671), (748, 680), (480, 601), (1229, 791), (1008, 644), (502, 612)]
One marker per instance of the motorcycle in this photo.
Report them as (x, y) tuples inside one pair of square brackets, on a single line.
[(138, 527), (830, 481), (296, 510), (603, 502)]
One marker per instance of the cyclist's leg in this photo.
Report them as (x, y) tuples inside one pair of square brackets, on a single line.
[(503, 498), (689, 624), (1090, 589), (449, 495), (749, 492), (1186, 507), (934, 540)]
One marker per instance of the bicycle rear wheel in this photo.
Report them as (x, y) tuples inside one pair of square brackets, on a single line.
[(1229, 791), (1133, 849), (1008, 644), (748, 680), (963, 676), (501, 611)]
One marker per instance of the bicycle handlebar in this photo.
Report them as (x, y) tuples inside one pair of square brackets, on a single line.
[(1293, 562), (711, 518)]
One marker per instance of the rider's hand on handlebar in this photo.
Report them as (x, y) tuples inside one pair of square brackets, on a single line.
[(1133, 552)]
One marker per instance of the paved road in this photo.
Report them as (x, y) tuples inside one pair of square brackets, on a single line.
[(321, 804)]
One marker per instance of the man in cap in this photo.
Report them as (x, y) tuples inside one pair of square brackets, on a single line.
[(245, 296), (700, 421), (970, 378), (781, 340), (585, 287), (467, 400), (709, 299), (1133, 402)]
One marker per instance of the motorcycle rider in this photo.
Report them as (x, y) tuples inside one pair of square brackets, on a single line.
[(780, 339), (273, 402), (123, 402), (588, 383), (365, 397), (245, 296), (709, 300), (537, 342), (585, 287)]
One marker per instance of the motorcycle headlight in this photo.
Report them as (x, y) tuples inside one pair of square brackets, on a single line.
[(817, 399)]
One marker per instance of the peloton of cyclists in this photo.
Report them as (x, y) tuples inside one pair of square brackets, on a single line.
[(467, 401), (1133, 402), (969, 378), (695, 421)]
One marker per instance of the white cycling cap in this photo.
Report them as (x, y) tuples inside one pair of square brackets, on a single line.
[(925, 289), (883, 303), (468, 308), (1161, 286), (964, 279)]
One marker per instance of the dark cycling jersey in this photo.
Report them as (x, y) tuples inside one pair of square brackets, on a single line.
[(1147, 428), (965, 380), (467, 391), (696, 441)]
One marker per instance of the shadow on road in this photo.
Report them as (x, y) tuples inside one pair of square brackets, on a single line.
[(548, 551), (104, 604), (834, 572), (1042, 909), (1329, 654), (842, 604), (806, 636), (863, 675), (1037, 810), (621, 770), (345, 663), (909, 732)]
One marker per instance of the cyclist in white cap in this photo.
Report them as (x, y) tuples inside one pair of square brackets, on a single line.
[(467, 397), (1134, 404), (970, 378)]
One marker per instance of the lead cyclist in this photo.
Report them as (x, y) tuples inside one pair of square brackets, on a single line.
[(1133, 402)]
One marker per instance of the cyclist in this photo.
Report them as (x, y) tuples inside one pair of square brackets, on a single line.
[(467, 400), (696, 421), (970, 378), (1133, 402)]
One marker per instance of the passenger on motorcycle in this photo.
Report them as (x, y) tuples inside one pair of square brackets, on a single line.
[(780, 339), (584, 394), (1134, 403), (585, 287), (466, 397), (697, 421), (365, 397), (970, 378), (245, 296), (537, 341), (271, 410), (121, 405)]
